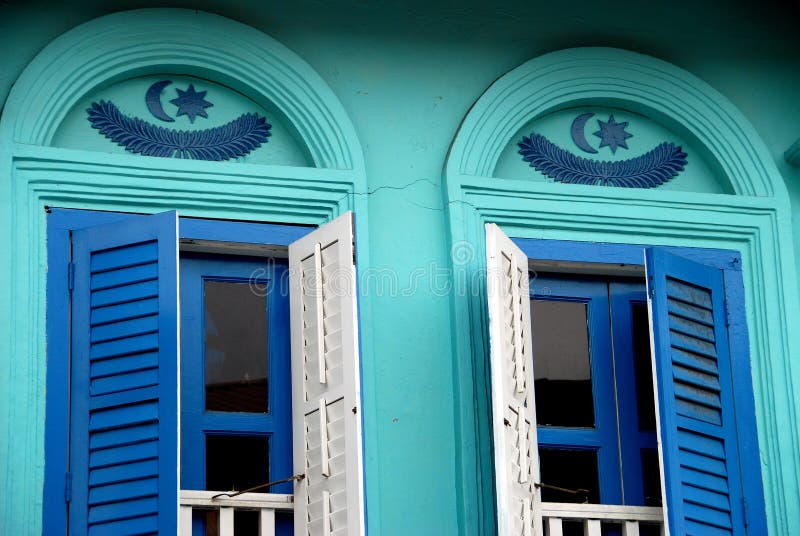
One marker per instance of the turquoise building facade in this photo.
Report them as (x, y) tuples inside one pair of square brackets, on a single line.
[(414, 117)]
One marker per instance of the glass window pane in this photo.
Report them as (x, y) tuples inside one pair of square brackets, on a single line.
[(643, 366), (574, 470), (235, 347), (651, 473), (236, 462), (561, 364)]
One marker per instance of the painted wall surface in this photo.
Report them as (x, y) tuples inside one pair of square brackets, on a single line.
[(406, 75)]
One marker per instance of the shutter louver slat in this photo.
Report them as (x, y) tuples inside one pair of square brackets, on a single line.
[(325, 382), (514, 423), (697, 428), (125, 364)]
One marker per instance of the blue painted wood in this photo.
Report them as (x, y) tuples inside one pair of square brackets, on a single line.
[(738, 340), (610, 253), (112, 322), (603, 437), (123, 402), (633, 441), (698, 422), (57, 408), (271, 275)]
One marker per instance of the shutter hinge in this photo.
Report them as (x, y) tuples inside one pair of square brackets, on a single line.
[(68, 487), (71, 276)]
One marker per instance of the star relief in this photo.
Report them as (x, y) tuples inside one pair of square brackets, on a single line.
[(612, 134), (191, 103)]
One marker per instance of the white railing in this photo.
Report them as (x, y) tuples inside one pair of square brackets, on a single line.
[(629, 518), (264, 503)]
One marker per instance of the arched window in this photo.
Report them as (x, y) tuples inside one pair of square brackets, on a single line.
[(112, 124), (621, 181)]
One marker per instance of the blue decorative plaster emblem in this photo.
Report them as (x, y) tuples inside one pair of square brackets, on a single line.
[(192, 103), (234, 139), (612, 134), (153, 100), (231, 140), (651, 169)]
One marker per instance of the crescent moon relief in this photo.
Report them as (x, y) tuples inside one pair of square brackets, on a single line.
[(578, 134), (653, 168), (153, 100)]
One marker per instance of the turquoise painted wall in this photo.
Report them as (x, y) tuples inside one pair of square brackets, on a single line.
[(407, 73)]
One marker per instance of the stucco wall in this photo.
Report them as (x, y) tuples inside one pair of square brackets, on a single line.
[(407, 76)]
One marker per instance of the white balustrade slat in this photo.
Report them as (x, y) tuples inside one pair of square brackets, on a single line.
[(266, 522), (554, 526), (591, 527), (593, 516), (226, 521), (265, 503), (186, 520), (630, 528)]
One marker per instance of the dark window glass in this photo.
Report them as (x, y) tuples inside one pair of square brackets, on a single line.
[(561, 364), (574, 470), (643, 367), (235, 347), (651, 473), (236, 462)]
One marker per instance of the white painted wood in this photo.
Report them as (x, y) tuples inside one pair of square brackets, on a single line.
[(318, 289), (554, 526), (326, 513), (649, 514), (226, 521), (630, 528), (266, 522), (265, 503), (519, 363), (591, 527), (324, 332), (246, 501), (513, 410), (522, 438), (526, 517), (323, 438), (185, 521)]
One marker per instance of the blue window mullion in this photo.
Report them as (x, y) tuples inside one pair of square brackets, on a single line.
[(623, 296), (603, 437), (196, 421)]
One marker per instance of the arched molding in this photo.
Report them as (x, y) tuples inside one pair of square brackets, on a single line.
[(148, 41), (621, 78)]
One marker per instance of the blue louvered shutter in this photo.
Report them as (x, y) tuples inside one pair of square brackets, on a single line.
[(124, 378), (697, 422)]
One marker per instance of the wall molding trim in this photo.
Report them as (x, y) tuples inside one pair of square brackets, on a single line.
[(151, 41), (34, 175), (756, 221), (616, 78)]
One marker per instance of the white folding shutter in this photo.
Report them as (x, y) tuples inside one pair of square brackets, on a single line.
[(326, 398), (513, 410)]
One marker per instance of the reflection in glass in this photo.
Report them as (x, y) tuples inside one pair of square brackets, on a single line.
[(574, 470), (235, 347), (561, 364), (643, 367)]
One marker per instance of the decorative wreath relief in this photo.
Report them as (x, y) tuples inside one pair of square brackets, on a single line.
[(651, 169), (234, 139)]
